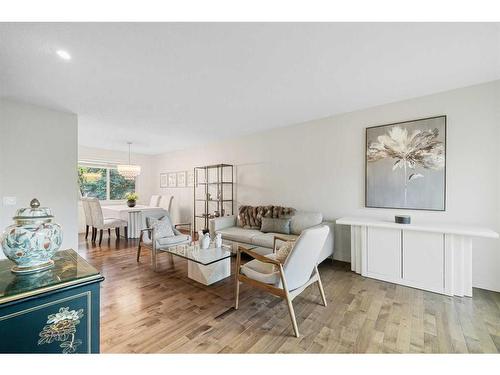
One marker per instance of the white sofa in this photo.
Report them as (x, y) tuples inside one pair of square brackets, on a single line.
[(233, 234)]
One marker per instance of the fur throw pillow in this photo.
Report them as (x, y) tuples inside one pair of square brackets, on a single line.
[(250, 217)]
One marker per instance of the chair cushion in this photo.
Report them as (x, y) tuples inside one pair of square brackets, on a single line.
[(304, 220), (113, 223), (238, 234), (173, 240), (275, 225), (267, 239), (260, 271), (162, 227)]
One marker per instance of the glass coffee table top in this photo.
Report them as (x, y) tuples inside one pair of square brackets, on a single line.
[(201, 256)]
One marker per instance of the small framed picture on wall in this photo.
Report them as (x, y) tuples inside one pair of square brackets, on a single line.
[(172, 180), (190, 178), (181, 179), (163, 180)]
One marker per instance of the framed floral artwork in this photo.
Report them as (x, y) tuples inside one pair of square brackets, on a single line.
[(181, 179), (172, 180), (406, 165), (163, 180)]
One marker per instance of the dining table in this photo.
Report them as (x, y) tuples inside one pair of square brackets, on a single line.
[(134, 216)]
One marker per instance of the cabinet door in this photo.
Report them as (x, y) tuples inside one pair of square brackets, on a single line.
[(423, 260), (383, 258)]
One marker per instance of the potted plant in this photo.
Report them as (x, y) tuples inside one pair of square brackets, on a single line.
[(131, 199)]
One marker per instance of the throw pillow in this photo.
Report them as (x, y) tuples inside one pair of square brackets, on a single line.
[(283, 252), (273, 225), (162, 227)]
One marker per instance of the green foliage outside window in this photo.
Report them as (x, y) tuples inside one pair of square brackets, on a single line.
[(91, 185)]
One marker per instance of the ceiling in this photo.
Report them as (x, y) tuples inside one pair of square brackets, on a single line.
[(167, 86)]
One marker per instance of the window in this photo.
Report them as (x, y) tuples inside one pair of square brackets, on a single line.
[(104, 183)]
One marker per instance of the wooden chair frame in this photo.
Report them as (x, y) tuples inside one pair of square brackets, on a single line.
[(283, 293), (152, 246)]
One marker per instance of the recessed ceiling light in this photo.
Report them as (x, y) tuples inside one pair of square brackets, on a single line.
[(63, 54)]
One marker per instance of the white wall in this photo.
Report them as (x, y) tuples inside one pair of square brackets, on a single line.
[(38, 152), (143, 182), (319, 166)]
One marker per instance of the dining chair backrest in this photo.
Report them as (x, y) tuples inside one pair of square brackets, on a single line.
[(86, 211), (96, 213), (155, 201), (304, 256), (166, 202)]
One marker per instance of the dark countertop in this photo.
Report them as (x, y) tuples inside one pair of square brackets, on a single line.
[(69, 269)]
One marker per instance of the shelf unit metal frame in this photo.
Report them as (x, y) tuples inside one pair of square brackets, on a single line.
[(204, 185)]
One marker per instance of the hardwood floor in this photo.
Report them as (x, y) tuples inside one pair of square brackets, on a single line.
[(166, 312)]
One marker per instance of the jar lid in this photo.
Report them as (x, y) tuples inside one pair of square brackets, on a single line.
[(33, 212)]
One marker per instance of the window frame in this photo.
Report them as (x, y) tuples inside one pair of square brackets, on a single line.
[(107, 167)]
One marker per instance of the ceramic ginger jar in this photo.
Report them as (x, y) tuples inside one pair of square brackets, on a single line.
[(32, 240)]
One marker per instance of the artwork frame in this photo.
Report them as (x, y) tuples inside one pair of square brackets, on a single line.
[(163, 180), (172, 179), (181, 179), (425, 158), (190, 179)]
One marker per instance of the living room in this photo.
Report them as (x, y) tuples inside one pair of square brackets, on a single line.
[(250, 187)]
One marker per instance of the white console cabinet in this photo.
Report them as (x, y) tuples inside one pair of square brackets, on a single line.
[(432, 257)]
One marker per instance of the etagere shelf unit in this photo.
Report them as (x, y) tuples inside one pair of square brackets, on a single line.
[(213, 193)]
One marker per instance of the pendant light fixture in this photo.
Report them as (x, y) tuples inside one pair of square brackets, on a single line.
[(129, 171)]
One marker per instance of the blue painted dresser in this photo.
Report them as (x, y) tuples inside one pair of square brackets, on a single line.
[(53, 311)]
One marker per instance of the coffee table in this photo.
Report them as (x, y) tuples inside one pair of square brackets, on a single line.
[(205, 266)]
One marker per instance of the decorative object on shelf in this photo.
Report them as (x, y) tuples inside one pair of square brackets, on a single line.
[(402, 219), (129, 171), (213, 193), (163, 180), (32, 240), (406, 165), (181, 179), (172, 180), (190, 178), (218, 240), (131, 199)]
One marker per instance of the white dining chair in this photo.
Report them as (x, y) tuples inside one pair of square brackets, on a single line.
[(88, 216), (290, 278), (166, 202), (154, 201), (100, 223)]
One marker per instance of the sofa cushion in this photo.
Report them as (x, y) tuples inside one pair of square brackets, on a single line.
[(267, 239), (304, 220), (275, 225), (238, 234)]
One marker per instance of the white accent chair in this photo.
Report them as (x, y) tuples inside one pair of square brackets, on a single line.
[(166, 202), (150, 239), (88, 216), (100, 223), (155, 201), (292, 277)]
